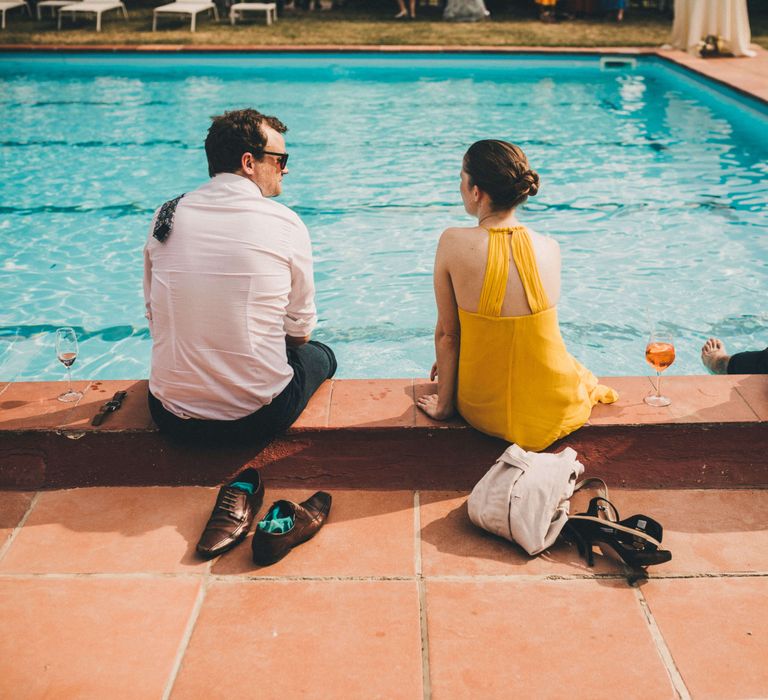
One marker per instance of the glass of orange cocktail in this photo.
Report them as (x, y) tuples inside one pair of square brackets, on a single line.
[(659, 354)]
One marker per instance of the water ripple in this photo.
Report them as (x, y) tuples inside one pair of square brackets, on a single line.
[(116, 210), (100, 144), (111, 334)]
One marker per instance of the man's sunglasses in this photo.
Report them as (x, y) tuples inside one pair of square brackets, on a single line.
[(282, 158)]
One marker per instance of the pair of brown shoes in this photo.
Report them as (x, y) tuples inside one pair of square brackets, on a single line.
[(235, 509)]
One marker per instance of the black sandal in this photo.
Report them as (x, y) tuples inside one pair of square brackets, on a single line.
[(637, 539)]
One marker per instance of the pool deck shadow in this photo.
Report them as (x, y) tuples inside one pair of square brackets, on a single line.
[(369, 434)]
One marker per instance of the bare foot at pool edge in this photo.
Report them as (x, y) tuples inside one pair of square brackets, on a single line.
[(714, 357)]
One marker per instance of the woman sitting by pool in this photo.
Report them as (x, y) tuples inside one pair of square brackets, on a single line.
[(501, 360)]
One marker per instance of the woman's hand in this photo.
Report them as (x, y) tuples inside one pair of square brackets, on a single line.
[(433, 372), (428, 404)]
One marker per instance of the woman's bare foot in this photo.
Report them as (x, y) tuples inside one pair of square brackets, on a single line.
[(714, 357)]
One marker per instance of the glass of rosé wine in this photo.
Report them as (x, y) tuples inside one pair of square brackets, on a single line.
[(659, 354), (66, 353)]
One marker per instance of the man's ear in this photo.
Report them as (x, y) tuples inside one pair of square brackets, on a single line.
[(248, 163)]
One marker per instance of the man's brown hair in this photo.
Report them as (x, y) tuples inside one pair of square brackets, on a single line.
[(234, 133)]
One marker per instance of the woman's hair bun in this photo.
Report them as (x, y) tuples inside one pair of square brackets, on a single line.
[(529, 183), (501, 169)]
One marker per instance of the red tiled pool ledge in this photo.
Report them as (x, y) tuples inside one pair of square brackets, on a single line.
[(369, 434)]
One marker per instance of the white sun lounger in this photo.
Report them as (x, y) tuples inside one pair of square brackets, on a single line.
[(53, 4), (6, 5), (240, 8), (93, 7), (185, 7)]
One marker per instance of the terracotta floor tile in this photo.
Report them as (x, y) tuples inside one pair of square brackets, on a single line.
[(545, 639), (372, 403), (717, 632), (706, 399), (34, 405), (422, 387), (114, 529), (308, 639), (132, 415), (754, 389), (368, 533), (13, 505), (315, 415), (630, 408), (89, 638), (452, 545), (707, 531)]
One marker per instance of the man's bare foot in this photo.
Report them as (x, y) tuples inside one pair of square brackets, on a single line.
[(714, 357)]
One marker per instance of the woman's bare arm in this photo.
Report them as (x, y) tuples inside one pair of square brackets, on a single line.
[(447, 336)]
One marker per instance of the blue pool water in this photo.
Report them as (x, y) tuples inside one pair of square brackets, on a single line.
[(653, 182)]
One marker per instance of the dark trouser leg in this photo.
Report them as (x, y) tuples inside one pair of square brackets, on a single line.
[(312, 364), (753, 362)]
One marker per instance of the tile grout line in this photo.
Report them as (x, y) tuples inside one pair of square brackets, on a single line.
[(328, 407), (330, 404), (455, 578), (11, 539), (426, 686), (188, 630), (102, 575), (663, 650), (417, 534), (744, 398)]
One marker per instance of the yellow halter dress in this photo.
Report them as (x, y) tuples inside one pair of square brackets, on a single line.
[(516, 379)]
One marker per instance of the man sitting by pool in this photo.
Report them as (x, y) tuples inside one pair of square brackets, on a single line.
[(229, 293)]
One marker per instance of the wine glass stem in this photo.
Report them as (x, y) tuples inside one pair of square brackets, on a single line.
[(658, 383), (69, 379)]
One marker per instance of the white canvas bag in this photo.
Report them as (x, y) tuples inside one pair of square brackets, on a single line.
[(524, 496)]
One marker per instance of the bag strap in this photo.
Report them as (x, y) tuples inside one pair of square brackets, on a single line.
[(592, 481), (164, 222), (595, 507)]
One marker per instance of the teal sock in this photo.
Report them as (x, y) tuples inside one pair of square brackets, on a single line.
[(243, 486), (276, 521)]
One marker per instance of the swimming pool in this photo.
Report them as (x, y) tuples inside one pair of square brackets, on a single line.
[(653, 182)]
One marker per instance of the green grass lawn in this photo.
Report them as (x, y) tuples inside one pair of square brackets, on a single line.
[(351, 26)]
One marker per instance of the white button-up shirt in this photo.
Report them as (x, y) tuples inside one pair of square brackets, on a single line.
[(233, 278)]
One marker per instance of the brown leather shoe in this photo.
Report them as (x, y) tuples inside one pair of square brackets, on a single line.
[(308, 517), (232, 515)]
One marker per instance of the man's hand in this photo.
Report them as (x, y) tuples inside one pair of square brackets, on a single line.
[(293, 342)]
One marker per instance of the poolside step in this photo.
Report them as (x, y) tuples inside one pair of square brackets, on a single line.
[(369, 434)]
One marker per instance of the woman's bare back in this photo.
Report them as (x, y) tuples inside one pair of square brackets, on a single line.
[(466, 251)]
